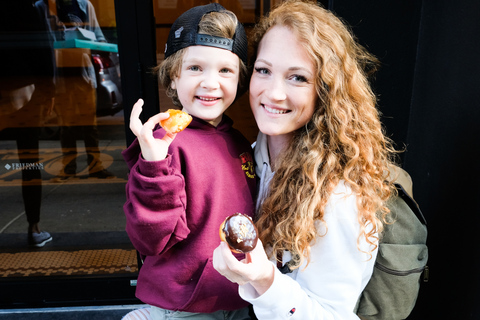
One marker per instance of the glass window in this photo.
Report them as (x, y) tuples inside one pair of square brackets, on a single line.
[(62, 131), (62, 176)]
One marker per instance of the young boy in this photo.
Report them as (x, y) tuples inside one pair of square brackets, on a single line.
[(182, 186)]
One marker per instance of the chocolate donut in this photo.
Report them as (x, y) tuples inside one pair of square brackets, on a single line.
[(239, 232)]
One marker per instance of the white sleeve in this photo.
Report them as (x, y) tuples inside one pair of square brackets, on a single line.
[(328, 288)]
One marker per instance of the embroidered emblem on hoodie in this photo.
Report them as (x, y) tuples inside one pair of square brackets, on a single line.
[(247, 164)]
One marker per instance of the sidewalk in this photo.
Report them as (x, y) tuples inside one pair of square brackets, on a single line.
[(71, 313), (79, 203)]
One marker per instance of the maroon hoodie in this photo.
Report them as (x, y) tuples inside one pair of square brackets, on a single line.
[(174, 209)]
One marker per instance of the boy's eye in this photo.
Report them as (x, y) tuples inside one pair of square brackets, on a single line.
[(194, 68), (225, 70)]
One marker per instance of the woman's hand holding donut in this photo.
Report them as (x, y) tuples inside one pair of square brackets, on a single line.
[(255, 269), (153, 149)]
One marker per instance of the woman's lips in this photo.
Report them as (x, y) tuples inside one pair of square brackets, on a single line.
[(275, 110)]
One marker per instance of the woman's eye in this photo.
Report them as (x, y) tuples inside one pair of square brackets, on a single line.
[(262, 70), (299, 78)]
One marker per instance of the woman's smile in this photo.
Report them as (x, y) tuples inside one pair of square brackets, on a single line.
[(274, 110)]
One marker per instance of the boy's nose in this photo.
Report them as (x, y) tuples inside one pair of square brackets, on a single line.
[(210, 81)]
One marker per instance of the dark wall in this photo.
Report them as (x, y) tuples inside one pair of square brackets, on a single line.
[(429, 89), (444, 142), (389, 30)]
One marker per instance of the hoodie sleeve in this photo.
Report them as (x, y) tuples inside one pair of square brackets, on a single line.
[(155, 209), (329, 286)]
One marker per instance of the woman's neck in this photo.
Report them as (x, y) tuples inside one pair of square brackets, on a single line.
[(276, 145)]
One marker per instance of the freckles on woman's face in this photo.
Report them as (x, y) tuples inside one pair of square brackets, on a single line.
[(282, 88)]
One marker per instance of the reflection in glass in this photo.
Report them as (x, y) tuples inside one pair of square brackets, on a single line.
[(61, 135), (27, 85), (76, 99)]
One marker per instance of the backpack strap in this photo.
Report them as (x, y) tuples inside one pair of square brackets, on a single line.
[(402, 193)]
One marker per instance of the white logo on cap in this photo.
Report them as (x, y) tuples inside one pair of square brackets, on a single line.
[(178, 32)]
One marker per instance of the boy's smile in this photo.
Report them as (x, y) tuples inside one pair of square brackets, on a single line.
[(208, 81)]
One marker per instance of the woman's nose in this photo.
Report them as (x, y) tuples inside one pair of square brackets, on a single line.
[(276, 90)]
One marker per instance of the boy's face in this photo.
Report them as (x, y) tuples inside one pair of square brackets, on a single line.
[(208, 80)]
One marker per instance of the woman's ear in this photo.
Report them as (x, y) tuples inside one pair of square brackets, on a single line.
[(173, 84)]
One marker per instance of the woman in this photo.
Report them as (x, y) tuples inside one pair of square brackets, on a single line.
[(323, 162)]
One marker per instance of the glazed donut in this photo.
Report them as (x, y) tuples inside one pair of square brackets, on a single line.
[(177, 121), (239, 232)]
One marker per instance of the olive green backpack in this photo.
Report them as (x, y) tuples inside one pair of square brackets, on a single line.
[(401, 264)]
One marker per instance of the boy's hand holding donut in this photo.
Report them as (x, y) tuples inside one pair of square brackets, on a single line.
[(153, 149)]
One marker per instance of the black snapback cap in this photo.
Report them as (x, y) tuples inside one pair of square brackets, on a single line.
[(184, 33)]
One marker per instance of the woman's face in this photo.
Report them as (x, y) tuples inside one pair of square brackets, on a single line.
[(282, 89)]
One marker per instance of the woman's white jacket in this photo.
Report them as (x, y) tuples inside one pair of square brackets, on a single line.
[(329, 287)]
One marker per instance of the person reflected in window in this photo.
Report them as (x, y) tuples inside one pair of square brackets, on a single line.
[(27, 89), (79, 13), (76, 101)]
